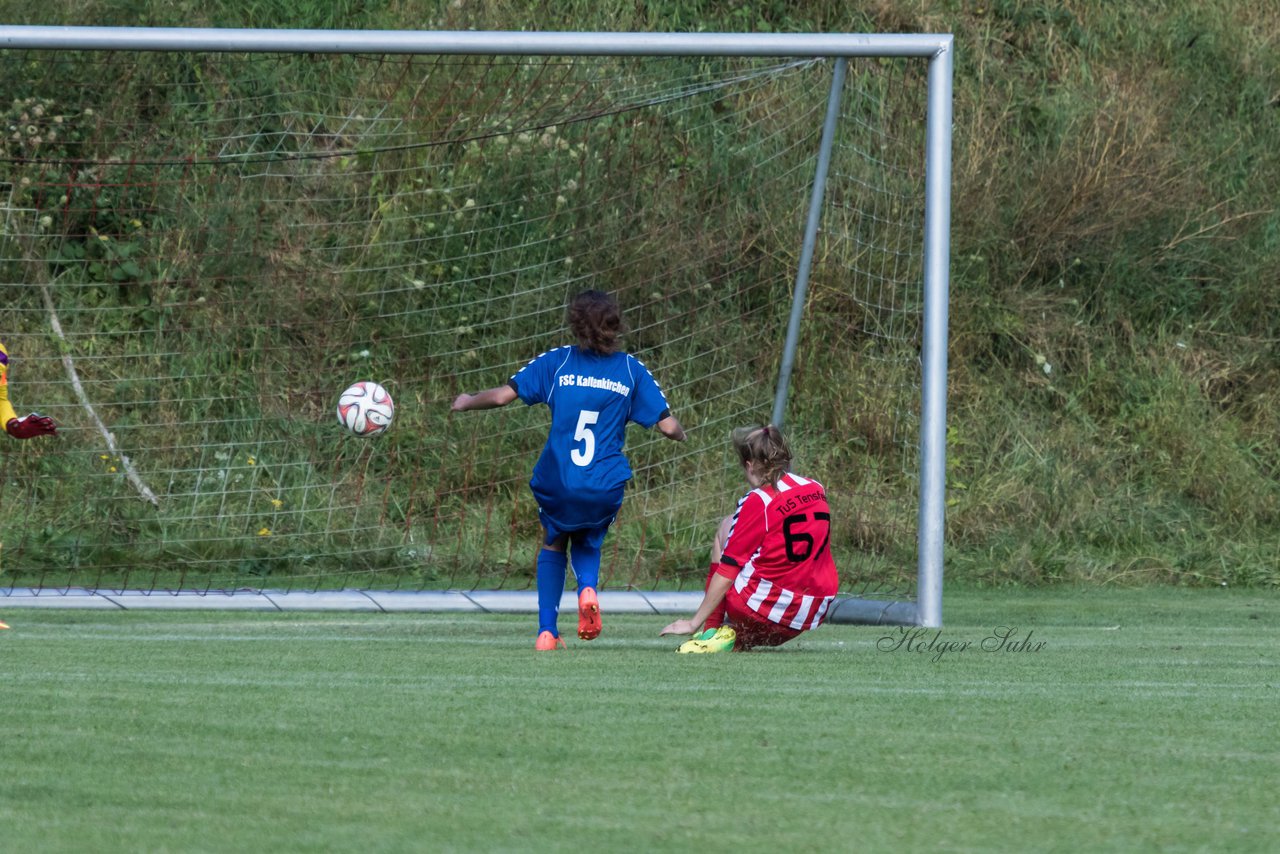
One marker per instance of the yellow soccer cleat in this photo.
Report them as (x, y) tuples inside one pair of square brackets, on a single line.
[(711, 640)]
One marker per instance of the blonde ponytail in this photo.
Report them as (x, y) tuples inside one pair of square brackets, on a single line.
[(764, 445)]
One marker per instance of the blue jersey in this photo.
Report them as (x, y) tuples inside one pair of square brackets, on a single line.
[(579, 479)]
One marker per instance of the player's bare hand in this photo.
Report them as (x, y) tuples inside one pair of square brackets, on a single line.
[(462, 402), (680, 627), (30, 426)]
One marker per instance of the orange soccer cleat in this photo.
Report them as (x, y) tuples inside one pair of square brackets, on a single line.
[(588, 614), (547, 642)]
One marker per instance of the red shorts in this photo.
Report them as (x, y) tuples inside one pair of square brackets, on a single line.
[(753, 629)]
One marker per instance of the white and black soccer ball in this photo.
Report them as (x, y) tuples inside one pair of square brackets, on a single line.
[(365, 409)]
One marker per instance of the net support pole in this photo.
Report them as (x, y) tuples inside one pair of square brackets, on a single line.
[(810, 239), (933, 409)]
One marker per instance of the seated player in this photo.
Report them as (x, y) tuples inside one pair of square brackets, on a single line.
[(772, 575)]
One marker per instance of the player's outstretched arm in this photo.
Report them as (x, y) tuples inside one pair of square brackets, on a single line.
[(716, 589), (671, 428), (490, 398)]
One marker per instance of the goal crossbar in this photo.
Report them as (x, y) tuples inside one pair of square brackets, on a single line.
[(212, 39)]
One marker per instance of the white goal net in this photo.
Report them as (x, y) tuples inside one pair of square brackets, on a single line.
[(200, 249)]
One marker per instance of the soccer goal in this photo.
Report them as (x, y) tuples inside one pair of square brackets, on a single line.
[(208, 234)]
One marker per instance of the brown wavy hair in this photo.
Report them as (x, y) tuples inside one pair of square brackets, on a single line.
[(596, 321), (764, 445)]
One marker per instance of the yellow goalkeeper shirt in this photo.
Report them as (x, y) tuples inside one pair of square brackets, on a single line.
[(6, 408)]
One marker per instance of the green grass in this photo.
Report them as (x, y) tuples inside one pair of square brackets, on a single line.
[(1145, 722)]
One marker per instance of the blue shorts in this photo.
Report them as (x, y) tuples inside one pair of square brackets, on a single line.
[(593, 537)]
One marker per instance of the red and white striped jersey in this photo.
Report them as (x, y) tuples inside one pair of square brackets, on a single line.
[(779, 553)]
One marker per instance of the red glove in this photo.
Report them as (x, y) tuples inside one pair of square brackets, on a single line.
[(30, 426)]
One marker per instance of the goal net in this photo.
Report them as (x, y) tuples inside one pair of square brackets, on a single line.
[(200, 249)]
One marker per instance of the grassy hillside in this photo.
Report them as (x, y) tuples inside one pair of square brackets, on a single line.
[(1115, 379)]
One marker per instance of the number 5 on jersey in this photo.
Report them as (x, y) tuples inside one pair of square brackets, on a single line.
[(583, 456)]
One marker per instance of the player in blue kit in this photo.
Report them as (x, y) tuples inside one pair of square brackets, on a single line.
[(593, 389)]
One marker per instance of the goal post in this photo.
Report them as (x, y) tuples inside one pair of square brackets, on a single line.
[(209, 233)]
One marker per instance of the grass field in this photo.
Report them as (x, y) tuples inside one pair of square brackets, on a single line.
[(1145, 720)]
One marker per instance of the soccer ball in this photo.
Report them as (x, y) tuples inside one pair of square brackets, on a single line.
[(365, 409)]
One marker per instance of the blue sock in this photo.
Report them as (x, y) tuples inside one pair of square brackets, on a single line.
[(551, 566), (586, 563)]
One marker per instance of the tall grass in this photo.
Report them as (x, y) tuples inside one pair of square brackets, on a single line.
[(1115, 385)]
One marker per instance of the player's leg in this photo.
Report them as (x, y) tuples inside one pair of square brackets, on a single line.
[(552, 563), (716, 620), (745, 630), (751, 629), (715, 635), (722, 537), (584, 551)]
